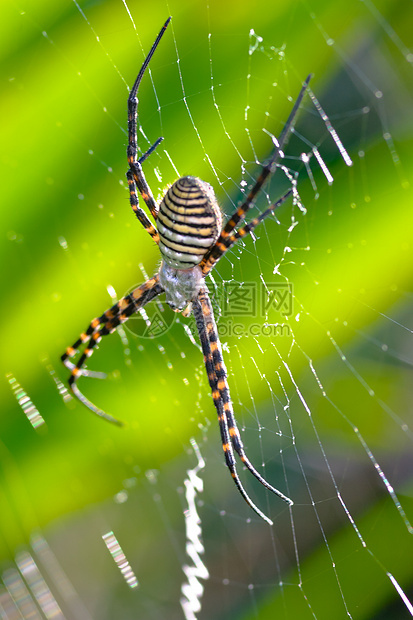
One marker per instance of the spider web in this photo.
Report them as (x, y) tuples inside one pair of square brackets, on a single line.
[(314, 314)]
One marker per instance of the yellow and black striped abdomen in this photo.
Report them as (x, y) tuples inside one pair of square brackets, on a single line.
[(189, 222)]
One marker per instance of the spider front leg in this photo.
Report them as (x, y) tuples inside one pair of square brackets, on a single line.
[(222, 243), (102, 326), (217, 376), (247, 229), (140, 214), (135, 172)]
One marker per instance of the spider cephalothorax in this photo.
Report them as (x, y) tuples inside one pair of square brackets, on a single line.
[(188, 230)]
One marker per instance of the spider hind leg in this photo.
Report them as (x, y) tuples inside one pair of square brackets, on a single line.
[(102, 326), (228, 236), (90, 405), (94, 374), (216, 371), (77, 371)]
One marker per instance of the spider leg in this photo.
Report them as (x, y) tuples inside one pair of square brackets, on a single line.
[(99, 327), (143, 187), (217, 376), (83, 338), (135, 167), (140, 213), (133, 197), (248, 228), (96, 323), (85, 372), (223, 387), (219, 248), (222, 419), (150, 150)]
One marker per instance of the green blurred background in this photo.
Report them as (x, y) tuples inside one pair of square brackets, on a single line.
[(68, 233)]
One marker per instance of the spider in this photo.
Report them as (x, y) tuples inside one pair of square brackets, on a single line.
[(191, 240)]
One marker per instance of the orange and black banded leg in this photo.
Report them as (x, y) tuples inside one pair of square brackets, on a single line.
[(231, 422), (133, 297), (204, 319), (132, 150), (78, 371), (143, 187), (99, 327), (140, 214), (246, 230), (84, 337), (223, 388), (221, 245)]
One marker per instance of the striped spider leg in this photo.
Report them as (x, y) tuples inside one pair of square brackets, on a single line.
[(135, 174), (217, 377), (225, 240), (102, 326), (188, 230)]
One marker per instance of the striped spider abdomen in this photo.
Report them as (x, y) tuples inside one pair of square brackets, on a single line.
[(189, 222)]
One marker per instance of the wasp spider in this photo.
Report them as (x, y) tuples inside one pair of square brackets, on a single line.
[(188, 230)]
